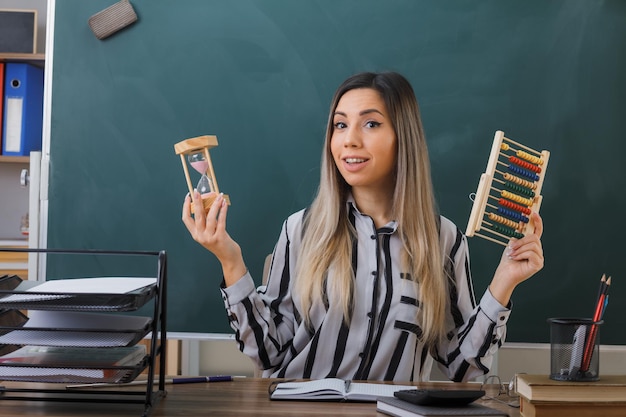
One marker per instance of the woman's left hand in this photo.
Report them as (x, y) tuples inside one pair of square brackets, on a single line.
[(521, 259)]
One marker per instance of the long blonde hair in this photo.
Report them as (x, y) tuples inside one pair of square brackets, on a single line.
[(327, 239)]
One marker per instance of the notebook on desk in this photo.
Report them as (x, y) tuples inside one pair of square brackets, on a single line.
[(334, 389)]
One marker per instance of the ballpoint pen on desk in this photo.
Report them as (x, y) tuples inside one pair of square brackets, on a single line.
[(601, 304), (178, 380)]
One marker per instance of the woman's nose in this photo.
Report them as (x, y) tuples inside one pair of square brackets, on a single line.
[(352, 138)]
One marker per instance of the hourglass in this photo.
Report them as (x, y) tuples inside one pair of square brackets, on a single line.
[(195, 152)]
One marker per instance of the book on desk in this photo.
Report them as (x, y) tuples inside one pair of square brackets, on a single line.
[(541, 396)]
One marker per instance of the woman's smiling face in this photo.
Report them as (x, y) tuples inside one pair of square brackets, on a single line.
[(363, 142)]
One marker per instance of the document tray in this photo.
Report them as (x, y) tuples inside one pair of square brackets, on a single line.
[(19, 298), (71, 329), (71, 375)]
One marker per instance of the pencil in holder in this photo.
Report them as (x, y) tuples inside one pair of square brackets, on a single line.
[(574, 349)]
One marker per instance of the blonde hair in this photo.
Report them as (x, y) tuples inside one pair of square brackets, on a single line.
[(328, 235)]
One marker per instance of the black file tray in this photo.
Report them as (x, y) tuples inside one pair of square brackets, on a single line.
[(76, 301), (72, 375), (13, 322), (20, 329)]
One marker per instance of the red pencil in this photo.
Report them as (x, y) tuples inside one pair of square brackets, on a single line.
[(591, 340)]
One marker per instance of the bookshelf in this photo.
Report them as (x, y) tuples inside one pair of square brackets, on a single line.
[(35, 59), (14, 159), (59, 332), (9, 188)]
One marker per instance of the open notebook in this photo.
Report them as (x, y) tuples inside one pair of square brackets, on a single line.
[(334, 389)]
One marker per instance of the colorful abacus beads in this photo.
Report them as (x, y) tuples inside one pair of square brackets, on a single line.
[(507, 232), (524, 164), (524, 155), (529, 157), (524, 173), (528, 202), (513, 178), (509, 223), (519, 181), (513, 215), (519, 189), (513, 206)]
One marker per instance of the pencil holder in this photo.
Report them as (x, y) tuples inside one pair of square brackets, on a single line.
[(574, 349)]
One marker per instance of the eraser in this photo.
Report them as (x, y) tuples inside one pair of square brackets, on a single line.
[(112, 19)]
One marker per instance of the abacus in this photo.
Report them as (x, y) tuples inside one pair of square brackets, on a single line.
[(508, 191)]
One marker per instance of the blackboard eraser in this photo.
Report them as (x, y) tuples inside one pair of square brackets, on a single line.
[(112, 19)]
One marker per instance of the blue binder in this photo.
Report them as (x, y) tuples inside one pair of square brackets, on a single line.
[(23, 109)]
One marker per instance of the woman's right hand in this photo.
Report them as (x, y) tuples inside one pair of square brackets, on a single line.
[(210, 231)]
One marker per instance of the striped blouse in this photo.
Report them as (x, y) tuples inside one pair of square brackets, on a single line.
[(382, 340)]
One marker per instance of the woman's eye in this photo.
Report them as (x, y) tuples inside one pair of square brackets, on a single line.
[(372, 124), (340, 125)]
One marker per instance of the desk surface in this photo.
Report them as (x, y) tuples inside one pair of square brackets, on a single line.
[(242, 397)]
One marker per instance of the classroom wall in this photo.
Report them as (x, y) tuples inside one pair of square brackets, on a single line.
[(223, 357)]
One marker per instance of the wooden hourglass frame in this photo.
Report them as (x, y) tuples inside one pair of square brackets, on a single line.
[(200, 145)]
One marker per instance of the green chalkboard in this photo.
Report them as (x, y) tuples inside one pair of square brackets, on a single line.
[(260, 74)]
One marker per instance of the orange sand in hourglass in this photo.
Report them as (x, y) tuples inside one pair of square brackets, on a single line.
[(195, 151)]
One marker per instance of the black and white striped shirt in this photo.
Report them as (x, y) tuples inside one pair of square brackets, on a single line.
[(382, 341)]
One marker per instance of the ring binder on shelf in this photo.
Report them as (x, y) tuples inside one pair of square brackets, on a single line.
[(23, 109)]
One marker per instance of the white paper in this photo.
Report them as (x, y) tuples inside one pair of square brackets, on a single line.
[(14, 372), (99, 285), (13, 137)]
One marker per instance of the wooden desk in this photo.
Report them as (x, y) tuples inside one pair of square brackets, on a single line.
[(242, 397)]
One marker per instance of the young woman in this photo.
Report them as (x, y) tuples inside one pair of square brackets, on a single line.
[(369, 282)]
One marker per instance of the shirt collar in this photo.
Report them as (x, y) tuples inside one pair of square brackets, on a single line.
[(389, 228)]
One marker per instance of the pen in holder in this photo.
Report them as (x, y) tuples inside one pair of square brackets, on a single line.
[(574, 349)]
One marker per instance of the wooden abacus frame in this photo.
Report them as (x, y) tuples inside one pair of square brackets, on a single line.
[(196, 145), (499, 218)]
